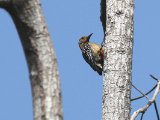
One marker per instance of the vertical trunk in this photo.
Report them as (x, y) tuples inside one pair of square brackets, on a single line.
[(38, 49), (118, 60)]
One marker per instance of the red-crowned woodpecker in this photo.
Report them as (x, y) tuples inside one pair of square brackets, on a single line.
[(92, 53)]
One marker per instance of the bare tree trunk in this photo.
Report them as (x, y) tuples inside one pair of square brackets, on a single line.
[(118, 60), (42, 63)]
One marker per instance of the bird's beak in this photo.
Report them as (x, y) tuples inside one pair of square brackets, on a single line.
[(89, 36)]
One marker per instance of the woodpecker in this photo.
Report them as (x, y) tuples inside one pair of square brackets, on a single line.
[(92, 53)]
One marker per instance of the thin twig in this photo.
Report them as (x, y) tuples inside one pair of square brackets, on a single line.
[(156, 109), (154, 77), (140, 91), (144, 94), (144, 109), (142, 116)]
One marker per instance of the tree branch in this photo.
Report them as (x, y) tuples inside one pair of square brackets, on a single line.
[(143, 109), (144, 94), (140, 92), (40, 56), (156, 109), (154, 77), (142, 116)]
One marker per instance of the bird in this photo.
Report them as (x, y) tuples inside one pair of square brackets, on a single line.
[(92, 53)]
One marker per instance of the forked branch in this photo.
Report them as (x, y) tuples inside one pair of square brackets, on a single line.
[(144, 109)]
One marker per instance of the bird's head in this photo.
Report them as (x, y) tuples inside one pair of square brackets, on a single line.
[(85, 39)]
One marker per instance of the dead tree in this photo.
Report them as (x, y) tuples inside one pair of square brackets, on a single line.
[(117, 58), (40, 55)]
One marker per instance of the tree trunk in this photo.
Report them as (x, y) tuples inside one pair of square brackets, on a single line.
[(42, 63), (118, 60)]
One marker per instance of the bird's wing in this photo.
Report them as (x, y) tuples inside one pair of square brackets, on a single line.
[(94, 47), (89, 58)]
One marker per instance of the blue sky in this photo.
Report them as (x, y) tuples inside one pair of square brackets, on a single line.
[(81, 86)]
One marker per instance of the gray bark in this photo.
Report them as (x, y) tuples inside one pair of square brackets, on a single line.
[(40, 55), (118, 60)]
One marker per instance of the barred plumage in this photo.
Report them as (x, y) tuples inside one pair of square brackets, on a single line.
[(92, 53)]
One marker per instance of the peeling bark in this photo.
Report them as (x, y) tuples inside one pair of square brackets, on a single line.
[(40, 55), (118, 60)]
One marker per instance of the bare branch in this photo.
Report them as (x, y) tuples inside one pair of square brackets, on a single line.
[(154, 77), (144, 109), (140, 91), (144, 94), (156, 109), (41, 59), (142, 116)]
